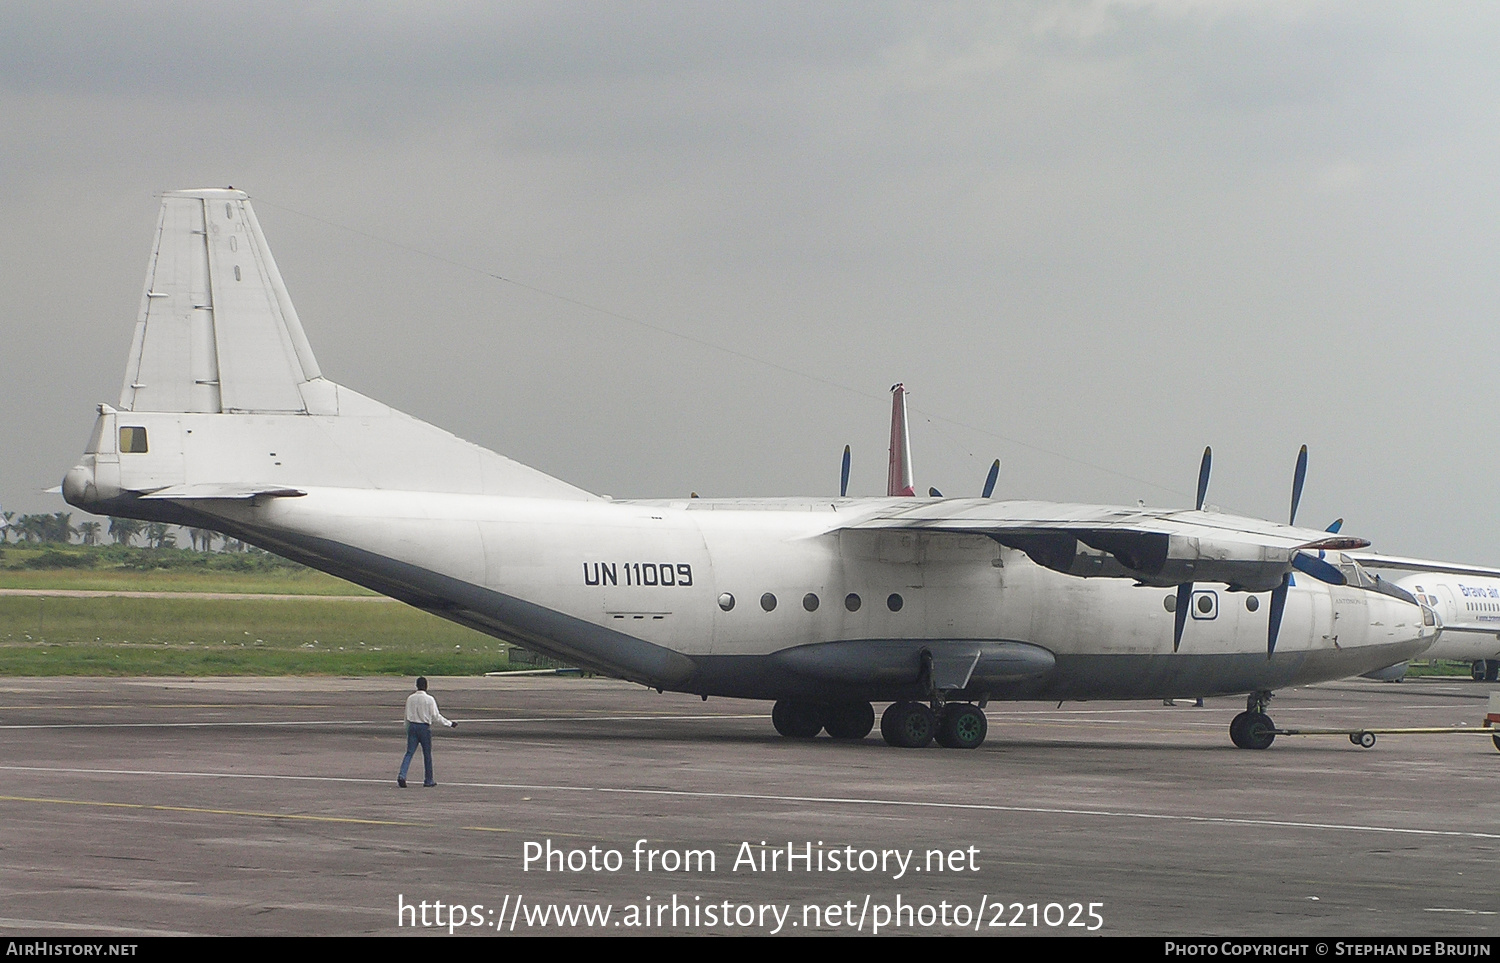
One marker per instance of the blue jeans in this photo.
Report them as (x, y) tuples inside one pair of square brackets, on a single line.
[(419, 734)]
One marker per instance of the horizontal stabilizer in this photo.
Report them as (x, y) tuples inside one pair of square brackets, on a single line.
[(224, 492)]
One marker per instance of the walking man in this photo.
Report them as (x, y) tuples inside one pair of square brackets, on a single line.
[(421, 713)]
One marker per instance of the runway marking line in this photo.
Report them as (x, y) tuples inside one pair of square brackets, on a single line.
[(769, 797)]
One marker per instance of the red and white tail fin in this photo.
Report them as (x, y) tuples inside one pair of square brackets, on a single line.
[(898, 480)]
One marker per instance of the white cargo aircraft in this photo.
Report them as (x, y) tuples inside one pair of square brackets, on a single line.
[(824, 605)]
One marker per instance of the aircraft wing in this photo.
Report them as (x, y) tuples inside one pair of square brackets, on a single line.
[(1374, 560), (1155, 547)]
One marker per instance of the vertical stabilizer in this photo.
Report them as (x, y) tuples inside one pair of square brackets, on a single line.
[(899, 479), (217, 331)]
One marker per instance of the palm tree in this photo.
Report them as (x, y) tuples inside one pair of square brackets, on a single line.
[(88, 533), (5, 528), (159, 536), (57, 527), (29, 527), (124, 530)]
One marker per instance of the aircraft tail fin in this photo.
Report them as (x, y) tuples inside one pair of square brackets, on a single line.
[(899, 478), (217, 332), (224, 401)]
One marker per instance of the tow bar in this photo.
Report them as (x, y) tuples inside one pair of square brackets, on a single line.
[(1365, 738)]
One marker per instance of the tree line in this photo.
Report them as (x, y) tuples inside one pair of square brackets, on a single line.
[(58, 528)]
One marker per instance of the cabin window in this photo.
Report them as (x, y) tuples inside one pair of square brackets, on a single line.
[(894, 602), (133, 441), (1252, 603), (851, 602), (768, 601), (810, 602), (726, 601), (1169, 603)]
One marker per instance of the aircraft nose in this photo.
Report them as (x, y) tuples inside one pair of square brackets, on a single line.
[(78, 486)]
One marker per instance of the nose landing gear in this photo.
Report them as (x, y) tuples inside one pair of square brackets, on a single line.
[(1253, 729)]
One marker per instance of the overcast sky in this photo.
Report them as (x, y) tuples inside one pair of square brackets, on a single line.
[(1091, 238)]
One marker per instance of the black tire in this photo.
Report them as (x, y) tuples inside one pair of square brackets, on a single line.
[(908, 725), (887, 724), (849, 720), (1496, 740), (797, 720), (1259, 731), (1237, 731), (963, 726), (1492, 670), (1252, 730), (1367, 740), (1477, 670)]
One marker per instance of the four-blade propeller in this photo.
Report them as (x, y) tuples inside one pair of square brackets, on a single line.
[(1304, 562), (1185, 590)]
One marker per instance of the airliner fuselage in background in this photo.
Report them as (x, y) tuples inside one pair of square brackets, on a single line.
[(824, 605), (1466, 601)]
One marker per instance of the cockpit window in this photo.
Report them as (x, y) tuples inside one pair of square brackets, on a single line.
[(133, 441)]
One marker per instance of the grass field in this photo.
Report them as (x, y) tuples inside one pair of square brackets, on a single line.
[(117, 568), (186, 636), (44, 635)]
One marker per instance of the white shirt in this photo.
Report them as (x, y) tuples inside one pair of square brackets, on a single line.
[(421, 707)]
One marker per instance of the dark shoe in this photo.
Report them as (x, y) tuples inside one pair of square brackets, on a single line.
[(428, 785), (401, 781)]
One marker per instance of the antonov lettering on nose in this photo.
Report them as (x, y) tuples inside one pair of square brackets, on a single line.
[(824, 605)]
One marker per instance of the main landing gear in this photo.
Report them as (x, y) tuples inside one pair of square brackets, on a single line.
[(803, 720), (1485, 670), (908, 725), (1253, 729), (912, 725)]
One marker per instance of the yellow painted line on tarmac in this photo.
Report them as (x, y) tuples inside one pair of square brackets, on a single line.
[(355, 820), (211, 812)]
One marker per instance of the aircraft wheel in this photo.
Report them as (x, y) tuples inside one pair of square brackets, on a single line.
[(1496, 740), (1237, 730), (1365, 740), (849, 720), (797, 720), (1492, 670), (962, 726), (1477, 670), (908, 725), (1252, 730)]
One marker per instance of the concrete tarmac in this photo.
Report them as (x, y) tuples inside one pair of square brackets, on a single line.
[(270, 807)]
